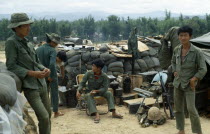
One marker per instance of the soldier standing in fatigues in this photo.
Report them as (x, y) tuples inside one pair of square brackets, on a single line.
[(98, 84), (22, 60), (47, 56), (188, 65)]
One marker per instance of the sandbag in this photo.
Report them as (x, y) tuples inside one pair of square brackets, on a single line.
[(103, 48), (158, 69), (15, 77), (110, 61), (105, 56), (74, 58), (91, 61), (116, 64), (152, 51), (116, 69), (116, 73), (86, 56), (8, 91), (3, 66), (151, 69), (142, 65), (95, 54), (74, 64), (136, 66), (89, 67), (109, 73), (149, 62), (156, 61), (71, 53), (144, 54)]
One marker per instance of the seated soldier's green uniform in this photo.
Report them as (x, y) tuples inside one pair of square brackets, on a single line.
[(101, 83), (20, 58)]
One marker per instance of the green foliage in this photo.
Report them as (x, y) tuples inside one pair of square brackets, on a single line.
[(111, 29)]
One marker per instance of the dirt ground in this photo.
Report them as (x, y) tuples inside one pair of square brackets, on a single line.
[(77, 122)]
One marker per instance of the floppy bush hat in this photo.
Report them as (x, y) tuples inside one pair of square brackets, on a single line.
[(18, 19), (54, 37)]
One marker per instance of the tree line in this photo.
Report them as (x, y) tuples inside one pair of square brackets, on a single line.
[(111, 29)]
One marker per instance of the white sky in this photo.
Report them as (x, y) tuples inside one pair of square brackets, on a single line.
[(189, 7)]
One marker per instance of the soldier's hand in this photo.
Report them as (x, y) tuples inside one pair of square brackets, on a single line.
[(78, 95), (193, 83), (175, 74), (47, 72), (49, 79), (37, 74)]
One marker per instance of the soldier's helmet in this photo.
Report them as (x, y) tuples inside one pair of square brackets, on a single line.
[(154, 114)]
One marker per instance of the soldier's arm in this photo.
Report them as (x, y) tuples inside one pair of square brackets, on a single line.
[(38, 63), (83, 82), (104, 86), (11, 54), (52, 65), (201, 66), (173, 62)]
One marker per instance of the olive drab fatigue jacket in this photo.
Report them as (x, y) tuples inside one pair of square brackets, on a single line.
[(20, 58), (193, 66), (102, 83)]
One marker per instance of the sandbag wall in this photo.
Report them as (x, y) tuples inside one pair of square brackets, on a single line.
[(81, 61)]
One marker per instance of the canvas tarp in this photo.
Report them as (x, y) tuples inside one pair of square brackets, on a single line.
[(202, 41)]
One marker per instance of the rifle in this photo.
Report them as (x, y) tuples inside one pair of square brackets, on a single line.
[(166, 99)]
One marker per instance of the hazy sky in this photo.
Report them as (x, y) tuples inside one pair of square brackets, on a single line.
[(190, 7)]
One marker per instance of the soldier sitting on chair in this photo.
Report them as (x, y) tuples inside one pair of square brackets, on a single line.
[(98, 84)]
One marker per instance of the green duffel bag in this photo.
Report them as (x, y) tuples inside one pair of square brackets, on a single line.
[(8, 91)]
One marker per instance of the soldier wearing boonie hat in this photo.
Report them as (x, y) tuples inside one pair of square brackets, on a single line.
[(23, 61), (47, 56)]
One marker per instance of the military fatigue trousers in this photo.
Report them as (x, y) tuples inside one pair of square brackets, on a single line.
[(54, 94), (91, 102), (39, 101), (180, 95)]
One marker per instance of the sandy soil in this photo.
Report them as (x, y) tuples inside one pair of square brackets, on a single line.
[(77, 122)]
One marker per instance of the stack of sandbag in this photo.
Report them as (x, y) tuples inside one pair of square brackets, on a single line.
[(94, 55), (115, 68), (73, 66), (8, 91), (149, 60)]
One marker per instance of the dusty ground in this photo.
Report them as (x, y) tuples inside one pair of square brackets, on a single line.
[(77, 122)]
